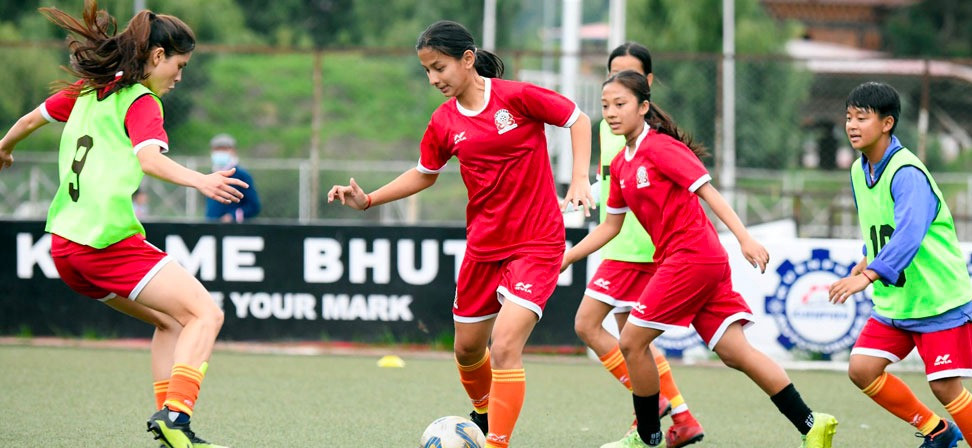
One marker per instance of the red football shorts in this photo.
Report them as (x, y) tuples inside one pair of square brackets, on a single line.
[(620, 283), (527, 280), (946, 353), (698, 294), (121, 269)]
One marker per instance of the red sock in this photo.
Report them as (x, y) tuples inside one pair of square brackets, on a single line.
[(161, 389), (961, 412), (183, 388), (477, 379), (506, 400), (614, 362), (895, 396)]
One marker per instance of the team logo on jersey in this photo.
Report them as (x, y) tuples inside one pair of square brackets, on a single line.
[(941, 360), (458, 138), (642, 176), (801, 308), (621, 181), (504, 121), (525, 287)]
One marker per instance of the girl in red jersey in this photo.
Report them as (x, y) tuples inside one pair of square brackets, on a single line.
[(625, 269), (113, 134), (659, 177), (515, 230)]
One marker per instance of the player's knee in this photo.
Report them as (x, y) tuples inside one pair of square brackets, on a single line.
[(504, 356), (731, 358), (585, 329), (861, 375), (946, 389)]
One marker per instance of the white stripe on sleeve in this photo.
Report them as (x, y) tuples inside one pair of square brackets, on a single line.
[(46, 114), (700, 182), (152, 141)]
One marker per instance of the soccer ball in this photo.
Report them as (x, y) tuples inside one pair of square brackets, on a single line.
[(452, 432)]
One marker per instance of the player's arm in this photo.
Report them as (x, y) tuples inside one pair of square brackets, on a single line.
[(407, 184), (25, 126), (598, 237), (218, 186), (579, 191), (754, 252)]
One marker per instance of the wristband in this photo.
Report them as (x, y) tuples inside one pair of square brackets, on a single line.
[(368, 203), (864, 273)]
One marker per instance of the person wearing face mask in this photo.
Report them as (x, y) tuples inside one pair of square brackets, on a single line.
[(223, 154)]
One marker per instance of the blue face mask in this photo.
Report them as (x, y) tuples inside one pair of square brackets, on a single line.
[(222, 160)]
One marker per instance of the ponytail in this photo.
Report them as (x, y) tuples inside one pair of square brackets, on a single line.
[(660, 121), (657, 118), (453, 39), (98, 54), (488, 64)]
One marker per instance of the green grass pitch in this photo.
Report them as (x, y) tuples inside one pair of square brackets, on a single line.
[(69, 397)]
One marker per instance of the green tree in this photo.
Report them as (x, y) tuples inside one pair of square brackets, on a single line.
[(931, 28), (769, 92)]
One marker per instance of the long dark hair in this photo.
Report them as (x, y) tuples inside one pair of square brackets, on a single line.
[(454, 39), (634, 49), (656, 117), (97, 53)]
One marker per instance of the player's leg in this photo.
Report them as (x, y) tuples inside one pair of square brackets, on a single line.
[(513, 326), (878, 346), (589, 326), (474, 312), (685, 429), (173, 291), (645, 388), (167, 331), (948, 357)]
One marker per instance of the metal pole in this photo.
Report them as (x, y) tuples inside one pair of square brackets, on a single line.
[(616, 23), (317, 121), (569, 66), (923, 112), (489, 25), (138, 5), (727, 177)]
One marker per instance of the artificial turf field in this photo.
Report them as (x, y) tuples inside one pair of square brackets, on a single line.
[(70, 396)]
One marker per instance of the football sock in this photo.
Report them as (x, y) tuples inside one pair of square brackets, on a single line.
[(505, 402), (895, 396), (183, 389), (961, 412), (477, 380), (646, 411), (791, 405), (614, 362), (668, 388), (161, 389)]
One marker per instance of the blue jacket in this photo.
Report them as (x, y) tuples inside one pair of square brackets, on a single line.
[(249, 205)]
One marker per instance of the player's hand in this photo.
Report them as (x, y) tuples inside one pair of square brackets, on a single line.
[(219, 186), (842, 289), (859, 267), (755, 254), (6, 159), (577, 195), (351, 195)]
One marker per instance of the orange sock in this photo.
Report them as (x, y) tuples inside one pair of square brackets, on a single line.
[(506, 400), (183, 388), (961, 412), (668, 388), (614, 363), (161, 389), (477, 379), (895, 396)]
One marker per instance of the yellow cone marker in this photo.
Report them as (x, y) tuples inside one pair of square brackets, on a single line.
[(391, 361)]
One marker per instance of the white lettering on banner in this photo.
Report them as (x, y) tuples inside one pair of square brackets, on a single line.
[(322, 260), (200, 260), (239, 258), (262, 305), (429, 259), (360, 260), (370, 307), (30, 253), (456, 248)]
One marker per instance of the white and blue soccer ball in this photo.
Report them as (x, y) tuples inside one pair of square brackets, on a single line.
[(452, 432)]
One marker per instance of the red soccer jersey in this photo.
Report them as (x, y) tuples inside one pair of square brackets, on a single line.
[(503, 160), (143, 121), (657, 183)]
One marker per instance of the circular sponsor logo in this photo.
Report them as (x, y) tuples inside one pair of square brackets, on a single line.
[(802, 311)]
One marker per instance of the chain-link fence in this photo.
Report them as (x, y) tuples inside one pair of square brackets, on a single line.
[(305, 121)]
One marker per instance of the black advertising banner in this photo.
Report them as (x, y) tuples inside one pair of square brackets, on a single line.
[(279, 282)]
